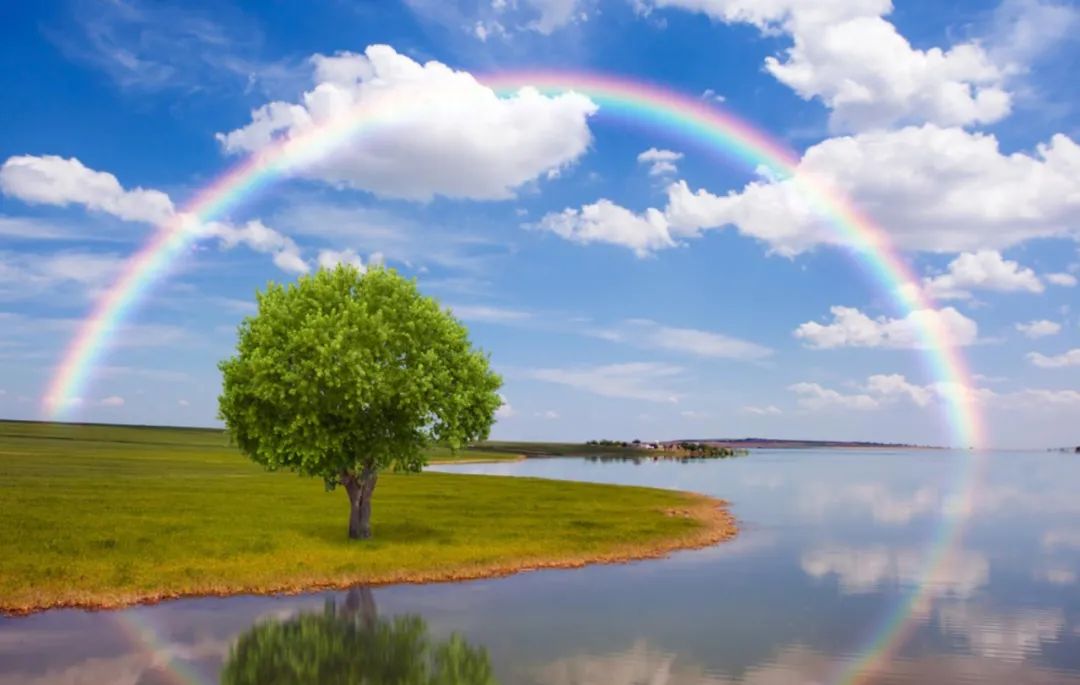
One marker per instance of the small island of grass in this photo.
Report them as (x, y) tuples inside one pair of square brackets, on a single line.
[(105, 516)]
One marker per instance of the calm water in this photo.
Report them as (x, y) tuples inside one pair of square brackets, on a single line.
[(830, 548)]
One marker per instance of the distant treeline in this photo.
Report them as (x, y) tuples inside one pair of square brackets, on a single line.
[(684, 448)]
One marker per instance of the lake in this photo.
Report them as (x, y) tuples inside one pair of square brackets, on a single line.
[(851, 566)]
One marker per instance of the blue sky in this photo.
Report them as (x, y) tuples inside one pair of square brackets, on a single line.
[(621, 293)]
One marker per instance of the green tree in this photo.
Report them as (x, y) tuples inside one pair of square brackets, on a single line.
[(351, 645), (343, 374)]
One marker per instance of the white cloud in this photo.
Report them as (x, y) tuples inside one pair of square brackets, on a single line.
[(929, 188), (554, 14), (183, 403), (634, 380), (890, 385), (547, 415), (606, 222), (290, 261), (380, 232), (1026, 30), (815, 397), (699, 343), (880, 390), (661, 162), (27, 275), (53, 180), (694, 414), (60, 182), (154, 46), (505, 410), (848, 56), (489, 314), (1033, 399), (852, 328), (328, 259), (1062, 279), (427, 123), (765, 410), (982, 270), (883, 390), (1070, 358), (260, 238), (112, 401), (710, 94), (693, 341), (1039, 329), (33, 228)]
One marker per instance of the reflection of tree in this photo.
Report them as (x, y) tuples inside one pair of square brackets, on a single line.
[(351, 645)]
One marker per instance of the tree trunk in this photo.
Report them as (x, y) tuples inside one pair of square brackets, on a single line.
[(360, 489)]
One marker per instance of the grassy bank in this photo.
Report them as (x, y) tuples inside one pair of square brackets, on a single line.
[(99, 516)]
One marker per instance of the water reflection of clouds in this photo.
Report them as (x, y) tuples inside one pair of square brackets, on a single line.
[(642, 664), (1008, 636), (1061, 537), (1055, 575), (135, 667), (637, 665), (862, 570), (882, 502)]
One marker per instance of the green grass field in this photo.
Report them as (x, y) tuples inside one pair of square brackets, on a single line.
[(109, 515)]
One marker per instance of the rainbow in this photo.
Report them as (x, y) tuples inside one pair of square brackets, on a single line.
[(698, 123)]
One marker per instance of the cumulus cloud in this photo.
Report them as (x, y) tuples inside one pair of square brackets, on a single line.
[(1062, 279), (815, 397), (661, 162), (982, 270), (52, 180), (606, 222), (428, 123), (929, 188), (847, 55), (634, 380), (328, 259), (881, 390), (891, 385), (1039, 329), (260, 238), (852, 328), (884, 390), (1070, 358), (61, 182)]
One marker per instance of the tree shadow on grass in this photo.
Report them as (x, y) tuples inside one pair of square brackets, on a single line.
[(391, 532)]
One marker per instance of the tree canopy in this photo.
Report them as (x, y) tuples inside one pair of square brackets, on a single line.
[(344, 373)]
